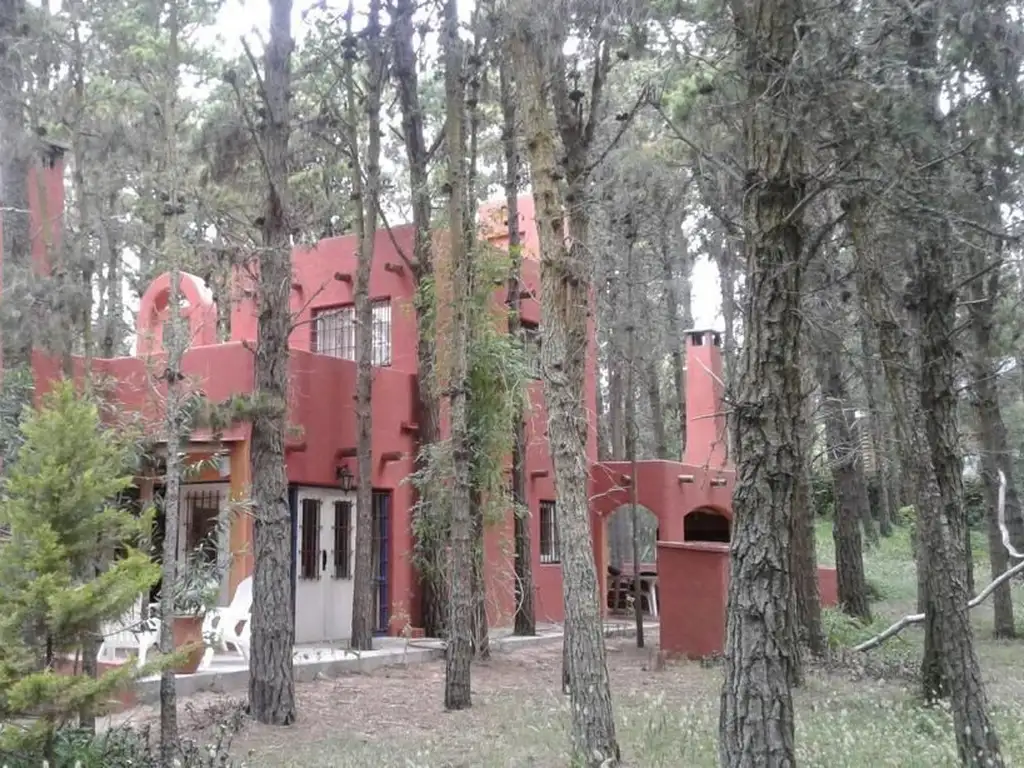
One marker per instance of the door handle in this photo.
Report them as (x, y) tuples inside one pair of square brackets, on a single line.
[(323, 560)]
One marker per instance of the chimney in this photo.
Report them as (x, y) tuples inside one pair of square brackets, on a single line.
[(706, 436), (46, 204)]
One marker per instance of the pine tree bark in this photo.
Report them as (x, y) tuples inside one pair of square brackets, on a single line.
[(931, 299), (366, 200), (657, 410), (525, 616), (992, 164), (900, 359), (680, 317), (459, 648), (756, 726), (850, 493), (992, 437), (271, 674), (804, 565), (565, 304), (875, 404), (429, 539), (15, 145), (176, 344)]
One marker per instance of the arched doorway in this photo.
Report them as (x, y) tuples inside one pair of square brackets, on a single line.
[(620, 532), (706, 524)]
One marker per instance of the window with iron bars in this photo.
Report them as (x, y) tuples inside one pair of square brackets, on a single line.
[(531, 348), (549, 544), (309, 542), (334, 332)]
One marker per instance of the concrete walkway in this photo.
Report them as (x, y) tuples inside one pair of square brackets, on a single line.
[(228, 673)]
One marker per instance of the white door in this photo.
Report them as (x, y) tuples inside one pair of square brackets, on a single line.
[(309, 565), (323, 584), (339, 595)]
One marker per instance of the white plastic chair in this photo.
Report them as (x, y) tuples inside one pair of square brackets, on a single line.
[(127, 634), (221, 625), (245, 641)]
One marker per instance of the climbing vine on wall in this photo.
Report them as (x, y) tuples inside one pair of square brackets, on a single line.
[(498, 375)]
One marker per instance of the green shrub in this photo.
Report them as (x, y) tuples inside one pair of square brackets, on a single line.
[(128, 747)]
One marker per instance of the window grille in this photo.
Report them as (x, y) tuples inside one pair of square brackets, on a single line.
[(550, 546), (309, 550), (334, 332)]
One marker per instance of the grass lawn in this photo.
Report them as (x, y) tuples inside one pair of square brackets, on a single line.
[(852, 715)]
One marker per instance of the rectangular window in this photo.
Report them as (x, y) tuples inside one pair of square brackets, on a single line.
[(381, 333), (550, 547), (342, 539), (334, 332), (531, 348), (202, 511), (309, 549)]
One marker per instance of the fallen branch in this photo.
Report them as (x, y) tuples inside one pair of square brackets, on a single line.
[(1006, 575)]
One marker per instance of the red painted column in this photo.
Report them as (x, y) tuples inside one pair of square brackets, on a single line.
[(706, 437)]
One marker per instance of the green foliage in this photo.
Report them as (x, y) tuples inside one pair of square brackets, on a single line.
[(498, 375), (16, 387), (125, 746), (74, 560), (822, 494)]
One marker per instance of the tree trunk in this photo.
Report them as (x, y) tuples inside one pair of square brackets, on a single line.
[(429, 539), (679, 309), (804, 565), (17, 331), (459, 649), (175, 345), (657, 412), (525, 616), (848, 486), (803, 556), (900, 358), (271, 675), (875, 403), (481, 629), (366, 200), (992, 438), (565, 304), (632, 438), (932, 302), (756, 726)]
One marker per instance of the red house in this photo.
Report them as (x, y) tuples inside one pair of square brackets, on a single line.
[(691, 499)]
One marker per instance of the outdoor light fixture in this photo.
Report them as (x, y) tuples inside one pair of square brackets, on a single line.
[(345, 478)]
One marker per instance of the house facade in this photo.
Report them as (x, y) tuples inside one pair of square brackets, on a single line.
[(321, 443)]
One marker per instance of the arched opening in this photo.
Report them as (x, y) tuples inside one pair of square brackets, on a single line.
[(619, 527), (707, 525)]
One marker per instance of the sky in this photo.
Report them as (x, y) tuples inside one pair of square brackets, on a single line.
[(252, 19)]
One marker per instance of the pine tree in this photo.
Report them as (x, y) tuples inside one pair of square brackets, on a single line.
[(73, 562)]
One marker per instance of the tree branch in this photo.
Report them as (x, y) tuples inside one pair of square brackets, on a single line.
[(1006, 575)]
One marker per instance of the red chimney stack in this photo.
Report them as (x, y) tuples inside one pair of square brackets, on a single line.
[(706, 435)]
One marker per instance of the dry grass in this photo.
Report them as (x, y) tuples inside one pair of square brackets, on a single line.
[(667, 715)]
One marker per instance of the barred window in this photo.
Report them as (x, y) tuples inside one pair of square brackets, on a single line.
[(334, 332), (309, 541), (531, 348), (342, 539), (549, 542)]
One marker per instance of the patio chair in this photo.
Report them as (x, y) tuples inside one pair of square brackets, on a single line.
[(223, 627), (127, 634)]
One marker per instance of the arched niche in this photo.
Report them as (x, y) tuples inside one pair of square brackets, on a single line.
[(707, 524)]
